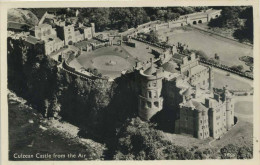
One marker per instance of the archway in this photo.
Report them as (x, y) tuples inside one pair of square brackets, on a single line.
[(200, 21), (216, 16), (194, 22)]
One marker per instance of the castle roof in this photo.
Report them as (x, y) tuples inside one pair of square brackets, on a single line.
[(188, 104), (32, 40), (170, 67), (178, 57), (199, 106), (197, 69), (151, 70), (43, 25), (196, 105), (187, 92)]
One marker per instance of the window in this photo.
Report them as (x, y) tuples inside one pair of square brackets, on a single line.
[(200, 121), (149, 104), (154, 84), (200, 134), (143, 104), (149, 94), (204, 82), (156, 103)]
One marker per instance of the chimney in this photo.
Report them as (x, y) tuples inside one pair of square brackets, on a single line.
[(208, 103), (185, 60), (216, 97), (193, 56)]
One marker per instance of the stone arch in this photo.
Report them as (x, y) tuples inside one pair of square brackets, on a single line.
[(200, 21), (194, 22), (216, 16)]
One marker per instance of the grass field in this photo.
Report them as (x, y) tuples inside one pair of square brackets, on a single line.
[(99, 58), (242, 133), (31, 133), (221, 80), (187, 141), (228, 51), (244, 107)]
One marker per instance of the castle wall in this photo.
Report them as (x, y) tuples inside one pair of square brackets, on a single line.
[(172, 99), (66, 33), (203, 125), (188, 122), (88, 33), (229, 113), (193, 122), (217, 116), (201, 79)]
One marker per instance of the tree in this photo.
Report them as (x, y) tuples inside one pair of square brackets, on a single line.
[(202, 55), (245, 153), (138, 140), (153, 37), (229, 152), (245, 33), (238, 68)]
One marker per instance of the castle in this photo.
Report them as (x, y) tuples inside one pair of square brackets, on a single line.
[(202, 112), (53, 33)]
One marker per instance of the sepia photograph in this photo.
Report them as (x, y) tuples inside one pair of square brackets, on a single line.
[(130, 83)]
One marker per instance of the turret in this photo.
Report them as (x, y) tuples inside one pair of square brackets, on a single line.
[(150, 100), (211, 79), (229, 108), (93, 29)]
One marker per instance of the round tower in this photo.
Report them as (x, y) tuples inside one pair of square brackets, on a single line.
[(229, 108), (150, 100)]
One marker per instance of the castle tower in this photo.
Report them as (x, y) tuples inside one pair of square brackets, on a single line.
[(211, 78), (150, 100), (93, 29), (77, 12), (229, 108)]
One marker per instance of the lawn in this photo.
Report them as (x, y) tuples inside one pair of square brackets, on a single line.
[(221, 80), (101, 57), (241, 134), (141, 51), (187, 141), (228, 51), (244, 108)]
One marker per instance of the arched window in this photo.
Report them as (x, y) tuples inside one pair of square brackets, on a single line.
[(194, 22), (156, 103), (149, 94)]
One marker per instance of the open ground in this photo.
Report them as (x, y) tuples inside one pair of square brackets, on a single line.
[(228, 51)]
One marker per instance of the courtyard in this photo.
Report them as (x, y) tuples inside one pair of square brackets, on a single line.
[(112, 60), (109, 61)]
